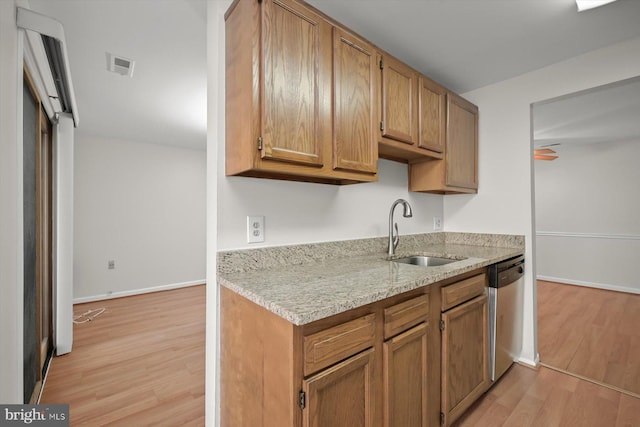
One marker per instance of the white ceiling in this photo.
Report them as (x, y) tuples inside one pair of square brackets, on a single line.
[(165, 102), (467, 44), (463, 44)]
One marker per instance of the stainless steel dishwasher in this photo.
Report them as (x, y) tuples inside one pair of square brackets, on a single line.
[(506, 283)]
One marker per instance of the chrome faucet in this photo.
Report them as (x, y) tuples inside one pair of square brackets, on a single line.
[(395, 239)]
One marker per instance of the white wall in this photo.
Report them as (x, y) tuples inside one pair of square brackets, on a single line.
[(587, 204), (215, 134), (11, 272), (304, 212), (64, 144), (143, 206), (504, 203)]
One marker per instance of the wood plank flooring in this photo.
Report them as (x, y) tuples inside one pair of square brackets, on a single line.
[(140, 363), (590, 332), (525, 397)]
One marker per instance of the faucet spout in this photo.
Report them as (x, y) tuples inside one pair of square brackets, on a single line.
[(394, 239)]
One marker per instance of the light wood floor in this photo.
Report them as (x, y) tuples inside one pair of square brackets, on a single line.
[(140, 363), (590, 332), (525, 397)]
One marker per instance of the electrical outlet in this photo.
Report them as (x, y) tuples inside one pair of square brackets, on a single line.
[(112, 264), (437, 223), (255, 229)]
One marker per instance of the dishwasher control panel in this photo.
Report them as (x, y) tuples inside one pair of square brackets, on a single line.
[(506, 272)]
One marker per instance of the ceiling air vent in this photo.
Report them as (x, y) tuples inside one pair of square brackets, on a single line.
[(120, 65)]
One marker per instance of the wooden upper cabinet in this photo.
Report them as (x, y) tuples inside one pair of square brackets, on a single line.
[(462, 143), (280, 96), (458, 171), (308, 100), (412, 115), (399, 101), (354, 97), (432, 115), (291, 87)]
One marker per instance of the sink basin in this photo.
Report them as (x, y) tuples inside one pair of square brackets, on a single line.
[(425, 261)]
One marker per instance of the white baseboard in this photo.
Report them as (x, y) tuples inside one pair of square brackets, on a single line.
[(605, 286), (131, 292), (529, 362)]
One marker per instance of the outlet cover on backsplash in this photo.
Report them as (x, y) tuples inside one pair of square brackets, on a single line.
[(437, 223)]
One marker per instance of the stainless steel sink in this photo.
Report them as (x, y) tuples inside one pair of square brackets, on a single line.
[(425, 261)]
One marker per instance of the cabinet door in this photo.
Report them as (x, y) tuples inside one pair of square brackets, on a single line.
[(399, 101), (295, 46), (342, 395), (462, 143), (465, 351), (405, 379), (354, 139), (432, 115)]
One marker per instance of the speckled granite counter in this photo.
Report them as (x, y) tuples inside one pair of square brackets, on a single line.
[(304, 283)]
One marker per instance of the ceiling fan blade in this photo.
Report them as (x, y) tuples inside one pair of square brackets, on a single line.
[(544, 151), (544, 157)]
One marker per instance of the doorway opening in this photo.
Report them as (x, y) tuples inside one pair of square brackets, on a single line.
[(587, 233)]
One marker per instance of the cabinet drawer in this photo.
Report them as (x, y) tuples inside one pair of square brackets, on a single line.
[(462, 291), (327, 347), (403, 316)]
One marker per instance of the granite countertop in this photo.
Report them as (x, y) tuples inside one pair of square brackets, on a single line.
[(319, 286)]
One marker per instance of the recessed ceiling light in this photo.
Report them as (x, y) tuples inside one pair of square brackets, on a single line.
[(590, 4), (120, 65)]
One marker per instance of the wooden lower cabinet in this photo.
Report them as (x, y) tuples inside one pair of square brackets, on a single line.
[(342, 395), (465, 352), (380, 365), (405, 379)]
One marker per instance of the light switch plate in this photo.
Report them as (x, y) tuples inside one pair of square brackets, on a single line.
[(255, 229)]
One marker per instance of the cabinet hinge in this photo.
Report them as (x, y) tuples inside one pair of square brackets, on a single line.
[(381, 125), (382, 64), (441, 418), (259, 143), (442, 325), (302, 399)]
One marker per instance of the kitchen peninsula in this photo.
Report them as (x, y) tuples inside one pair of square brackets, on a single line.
[(335, 332)]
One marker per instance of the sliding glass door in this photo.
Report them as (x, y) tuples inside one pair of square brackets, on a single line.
[(37, 235)]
